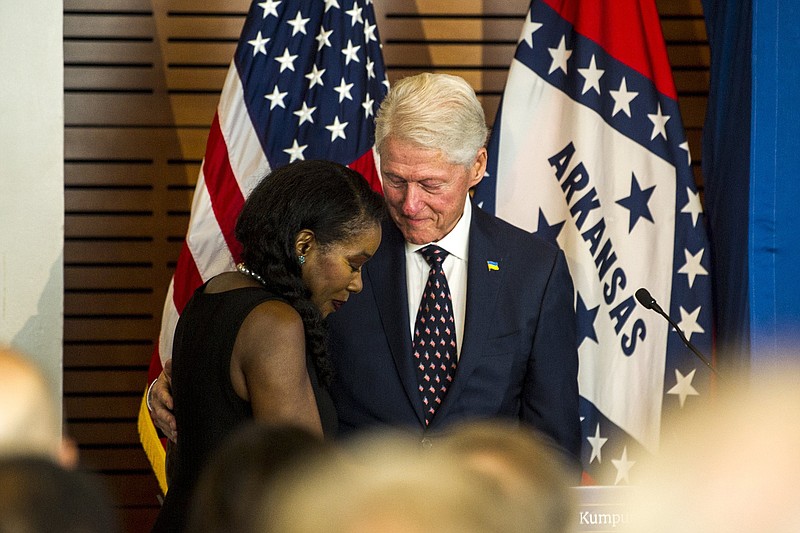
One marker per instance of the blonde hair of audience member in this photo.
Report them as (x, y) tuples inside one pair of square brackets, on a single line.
[(30, 423), (531, 472), (434, 111), (733, 467), (388, 483)]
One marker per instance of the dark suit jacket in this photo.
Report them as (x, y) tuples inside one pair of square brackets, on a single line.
[(519, 355)]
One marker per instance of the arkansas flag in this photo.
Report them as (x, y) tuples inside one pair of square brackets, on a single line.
[(305, 82), (589, 151)]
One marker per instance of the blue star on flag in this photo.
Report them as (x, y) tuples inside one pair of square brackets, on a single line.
[(585, 321), (547, 231), (636, 203)]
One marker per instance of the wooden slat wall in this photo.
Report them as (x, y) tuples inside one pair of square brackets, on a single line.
[(142, 80)]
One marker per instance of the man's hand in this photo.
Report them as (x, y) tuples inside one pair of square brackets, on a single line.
[(161, 403)]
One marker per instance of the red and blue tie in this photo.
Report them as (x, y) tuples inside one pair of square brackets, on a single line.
[(434, 343)]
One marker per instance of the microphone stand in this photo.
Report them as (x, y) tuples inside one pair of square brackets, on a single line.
[(647, 301)]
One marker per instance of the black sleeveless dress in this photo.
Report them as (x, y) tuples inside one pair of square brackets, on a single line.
[(206, 407)]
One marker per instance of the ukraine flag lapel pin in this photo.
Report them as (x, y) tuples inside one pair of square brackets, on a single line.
[(492, 265)]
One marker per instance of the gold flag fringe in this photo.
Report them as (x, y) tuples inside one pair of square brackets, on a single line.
[(153, 448)]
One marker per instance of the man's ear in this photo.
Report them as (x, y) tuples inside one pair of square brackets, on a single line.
[(478, 168), (304, 241)]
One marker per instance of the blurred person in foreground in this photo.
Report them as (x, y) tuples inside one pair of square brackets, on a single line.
[(508, 341), (533, 477), (383, 482), (242, 471), (38, 495), (734, 465), (30, 421), (250, 344)]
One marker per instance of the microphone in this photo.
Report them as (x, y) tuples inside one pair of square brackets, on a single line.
[(648, 302)]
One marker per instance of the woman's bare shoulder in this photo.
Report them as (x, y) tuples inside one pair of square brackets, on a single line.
[(228, 281), (272, 328), (270, 345)]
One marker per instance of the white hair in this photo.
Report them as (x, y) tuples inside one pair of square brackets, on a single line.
[(435, 111)]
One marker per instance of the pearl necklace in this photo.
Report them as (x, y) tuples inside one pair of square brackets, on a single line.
[(247, 272)]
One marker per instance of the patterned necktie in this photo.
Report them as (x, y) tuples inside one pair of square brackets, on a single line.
[(434, 340)]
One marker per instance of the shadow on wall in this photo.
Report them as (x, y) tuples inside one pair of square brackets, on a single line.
[(42, 335)]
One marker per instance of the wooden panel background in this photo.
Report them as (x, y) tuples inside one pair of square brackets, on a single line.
[(142, 79)]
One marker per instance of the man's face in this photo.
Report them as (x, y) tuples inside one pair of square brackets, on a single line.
[(425, 193)]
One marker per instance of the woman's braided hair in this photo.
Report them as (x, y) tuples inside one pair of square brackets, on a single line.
[(334, 202)]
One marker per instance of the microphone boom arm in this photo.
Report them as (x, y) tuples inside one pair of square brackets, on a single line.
[(647, 301)]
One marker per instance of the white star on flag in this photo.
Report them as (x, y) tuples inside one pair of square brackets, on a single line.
[(685, 146), (591, 76), (368, 105), (528, 30), (370, 69), (296, 151), (259, 44), (622, 99), (344, 90), (351, 53), (693, 206), (286, 60), (560, 56), (305, 114), (659, 124), (315, 77), (298, 24), (355, 15), (692, 268), (369, 32), (269, 8), (689, 324), (331, 3), (683, 387), (337, 129), (323, 38), (276, 98), (623, 466), (597, 443)]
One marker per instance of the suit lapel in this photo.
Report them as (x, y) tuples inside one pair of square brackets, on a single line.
[(483, 285), (387, 276)]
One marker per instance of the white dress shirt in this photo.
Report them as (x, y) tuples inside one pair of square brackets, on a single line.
[(455, 269)]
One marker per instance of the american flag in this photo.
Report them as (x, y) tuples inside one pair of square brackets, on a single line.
[(305, 82), (589, 150)]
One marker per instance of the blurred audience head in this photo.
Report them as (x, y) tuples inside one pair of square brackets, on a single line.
[(531, 473), (30, 421), (733, 467), (389, 482), (37, 495), (241, 472)]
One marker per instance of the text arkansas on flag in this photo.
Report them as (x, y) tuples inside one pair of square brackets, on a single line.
[(588, 150)]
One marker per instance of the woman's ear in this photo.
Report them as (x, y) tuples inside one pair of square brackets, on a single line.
[(304, 241)]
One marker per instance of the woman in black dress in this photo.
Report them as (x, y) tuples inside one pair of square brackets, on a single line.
[(250, 344)]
